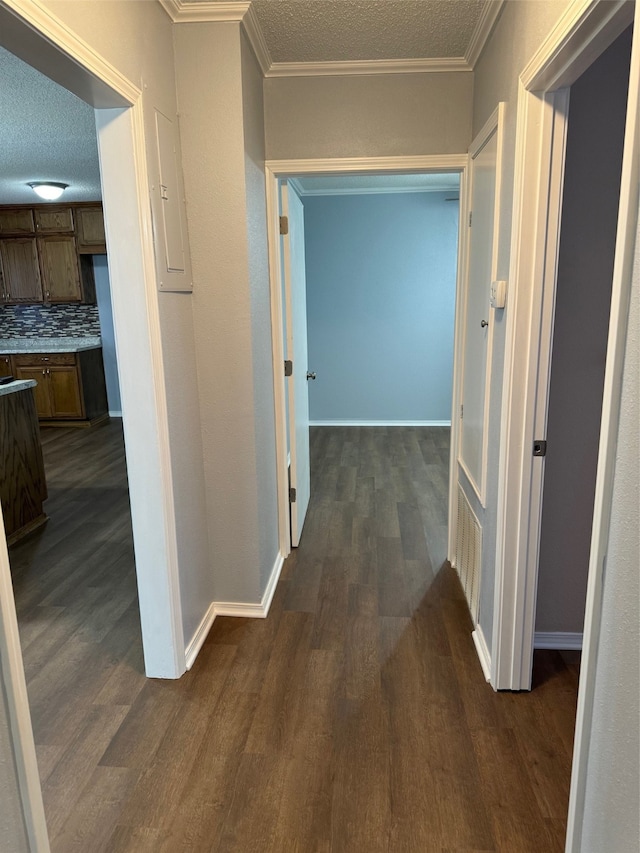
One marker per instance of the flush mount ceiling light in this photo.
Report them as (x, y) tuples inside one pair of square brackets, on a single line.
[(49, 190)]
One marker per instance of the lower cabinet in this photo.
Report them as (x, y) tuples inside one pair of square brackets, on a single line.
[(5, 365), (70, 386)]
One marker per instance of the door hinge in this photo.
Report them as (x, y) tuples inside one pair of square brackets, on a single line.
[(288, 367), (284, 225), (293, 495), (470, 218), (461, 410), (539, 448)]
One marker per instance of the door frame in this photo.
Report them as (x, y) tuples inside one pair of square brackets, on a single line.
[(586, 29), (276, 169), (38, 37)]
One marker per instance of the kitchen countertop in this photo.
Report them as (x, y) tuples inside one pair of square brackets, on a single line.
[(18, 385), (15, 346)]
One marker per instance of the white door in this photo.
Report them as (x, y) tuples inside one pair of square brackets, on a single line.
[(478, 321), (295, 295)]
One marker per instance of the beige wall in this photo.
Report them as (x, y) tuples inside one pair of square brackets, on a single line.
[(613, 786), (223, 168), (136, 37), (368, 116), (13, 833)]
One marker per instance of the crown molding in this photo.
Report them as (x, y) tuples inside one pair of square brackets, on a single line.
[(483, 30), (257, 40), (241, 11), (189, 12), (373, 190), (367, 66)]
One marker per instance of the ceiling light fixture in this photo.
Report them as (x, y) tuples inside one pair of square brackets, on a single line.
[(49, 190)]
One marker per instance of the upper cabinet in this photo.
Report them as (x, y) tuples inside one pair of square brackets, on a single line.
[(54, 220), (90, 230), (16, 221), (21, 280), (45, 252)]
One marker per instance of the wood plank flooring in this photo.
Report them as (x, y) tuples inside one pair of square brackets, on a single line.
[(354, 718)]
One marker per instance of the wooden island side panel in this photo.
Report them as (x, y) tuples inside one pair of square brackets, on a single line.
[(23, 487)]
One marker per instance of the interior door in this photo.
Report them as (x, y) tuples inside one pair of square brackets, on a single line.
[(478, 318), (295, 297)]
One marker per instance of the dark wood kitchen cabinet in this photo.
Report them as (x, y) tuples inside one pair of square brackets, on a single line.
[(71, 387), (20, 274), (5, 365)]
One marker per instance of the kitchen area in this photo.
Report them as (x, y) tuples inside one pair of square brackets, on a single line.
[(52, 370)]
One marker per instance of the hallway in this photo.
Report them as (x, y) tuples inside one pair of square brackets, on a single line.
[(354, 718)]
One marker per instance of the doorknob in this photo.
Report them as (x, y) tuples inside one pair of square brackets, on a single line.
[(310, 375), (484, 323)]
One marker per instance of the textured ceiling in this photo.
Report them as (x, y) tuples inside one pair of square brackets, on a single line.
[(356, 184), (46, 133), (342, 30)]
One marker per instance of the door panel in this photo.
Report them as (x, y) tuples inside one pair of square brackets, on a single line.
[(60, 272), (41, 391), (21, 270), (296, 350), (65, 392), (478, 317)]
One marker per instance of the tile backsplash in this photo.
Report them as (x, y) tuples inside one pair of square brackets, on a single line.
[(49, 321)]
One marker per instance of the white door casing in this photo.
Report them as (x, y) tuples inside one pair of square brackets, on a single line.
[(485, 164), (295, 295), (276, 170)]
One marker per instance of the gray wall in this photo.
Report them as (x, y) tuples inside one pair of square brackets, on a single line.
[(103, 296), (381, 280), (222, 162), (591, 196), (13, 832), (369, 116), (519, 32), (613, 793)]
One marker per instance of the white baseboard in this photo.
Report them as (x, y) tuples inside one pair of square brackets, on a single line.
[(234, 608), (350, 423), (559, 640), (202, 631), (483, 652), (115, 414)]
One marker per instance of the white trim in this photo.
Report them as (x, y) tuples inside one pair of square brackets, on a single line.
[(483, 652), (440, 163), (355, 423), (15, 689), (256, 39), (115, 414), (205, 11), (373, 190), (200, 635), (250, 610), (45, 25), (483, 30), (585, 30), (476, 489), (622, 279), (275, 169), (559, 640), (360, 67)]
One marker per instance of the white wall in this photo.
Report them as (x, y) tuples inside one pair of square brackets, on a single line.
[(613, 788), (368, 116), (105, 312)]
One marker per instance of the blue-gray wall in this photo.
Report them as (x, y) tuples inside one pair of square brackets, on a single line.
[(103, 298), (381, 276)]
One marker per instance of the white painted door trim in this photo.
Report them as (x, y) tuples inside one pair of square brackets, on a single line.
[(585, 30), (275, 169)]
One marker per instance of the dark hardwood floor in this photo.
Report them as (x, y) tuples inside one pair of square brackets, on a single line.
[(354, 718)]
